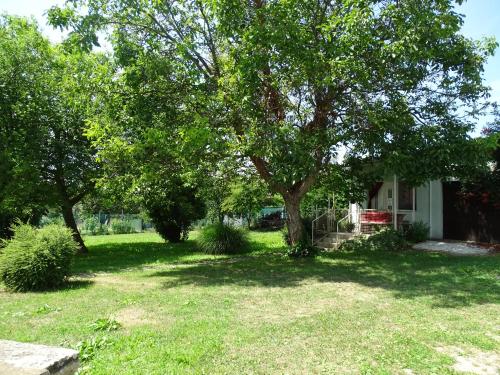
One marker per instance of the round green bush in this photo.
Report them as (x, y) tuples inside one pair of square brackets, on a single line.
[(386, 239), (37, 259), (417, 232), (222, 239)]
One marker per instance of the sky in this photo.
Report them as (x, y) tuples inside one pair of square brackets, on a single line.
[(482, 18)]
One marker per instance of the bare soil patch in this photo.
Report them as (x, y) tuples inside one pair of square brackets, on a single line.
[(473, 361), (133, 316)]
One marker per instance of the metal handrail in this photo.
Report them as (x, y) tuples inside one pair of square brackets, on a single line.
[(338, 222), (329, 219)]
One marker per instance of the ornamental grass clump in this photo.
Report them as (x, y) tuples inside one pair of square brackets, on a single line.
[(222, 239), (37, 259)]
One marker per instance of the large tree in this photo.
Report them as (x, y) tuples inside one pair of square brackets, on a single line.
[(19, 65), (294, 82), (48, 94)]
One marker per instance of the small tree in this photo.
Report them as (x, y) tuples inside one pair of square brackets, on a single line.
[(173, 208), (246, 199)]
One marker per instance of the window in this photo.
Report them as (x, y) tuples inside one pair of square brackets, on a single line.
[(405, 197)]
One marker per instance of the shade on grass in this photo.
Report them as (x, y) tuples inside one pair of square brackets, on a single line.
[(187, 312)]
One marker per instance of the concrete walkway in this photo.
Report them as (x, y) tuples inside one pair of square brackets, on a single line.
[(18, 358), (454, 248)]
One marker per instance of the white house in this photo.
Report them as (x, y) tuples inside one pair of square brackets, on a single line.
[(393, 202)]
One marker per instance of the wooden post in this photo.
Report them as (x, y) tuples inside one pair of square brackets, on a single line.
[(395, 203), (430, 209), (413, 206)]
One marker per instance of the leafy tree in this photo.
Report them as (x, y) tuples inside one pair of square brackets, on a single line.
[(47, 101), (152, 144), (294, 82), (19, 66), (173, 207), (216, 188), (246, 199), (482, 185)]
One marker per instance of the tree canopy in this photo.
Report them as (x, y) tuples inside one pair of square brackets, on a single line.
[(48, 95)]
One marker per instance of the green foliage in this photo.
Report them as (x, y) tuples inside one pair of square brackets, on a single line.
[(386, 239), (47, 96), (303, 249), (346, 227), (220, 239), (121, 226), (416, 232), (46, 309), (173, 210), (105, 324), (37, 259), (246, 198), (51, 218), (92, 225), (88, 348)]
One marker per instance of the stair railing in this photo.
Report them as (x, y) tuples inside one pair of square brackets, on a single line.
[(322, 225), (345, 218)]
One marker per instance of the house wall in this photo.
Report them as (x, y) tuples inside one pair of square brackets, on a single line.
[(428, 197), (436, 210)]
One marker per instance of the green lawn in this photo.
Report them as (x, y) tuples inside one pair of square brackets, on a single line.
[(262, 313)]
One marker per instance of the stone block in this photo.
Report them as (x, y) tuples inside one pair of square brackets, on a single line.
[(18, 358)]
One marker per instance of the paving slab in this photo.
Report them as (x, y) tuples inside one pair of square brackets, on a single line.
[(18, 358), (455, 248)]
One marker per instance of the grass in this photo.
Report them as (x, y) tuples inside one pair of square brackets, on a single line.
[(181, 311)]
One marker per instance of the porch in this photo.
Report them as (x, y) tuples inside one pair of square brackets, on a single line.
[(389, 203)]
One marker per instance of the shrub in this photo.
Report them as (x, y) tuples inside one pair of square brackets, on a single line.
[(173, 210), (222, 239), (104, 324), (303, 249), (386, 239), (91, 224), (122, 226), (346, 227), (37, 259), (417, 232)]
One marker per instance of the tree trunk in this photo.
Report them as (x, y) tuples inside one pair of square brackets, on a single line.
[(294, 221), (69, 220)]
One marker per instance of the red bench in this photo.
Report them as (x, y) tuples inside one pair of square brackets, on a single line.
[(376, 217)]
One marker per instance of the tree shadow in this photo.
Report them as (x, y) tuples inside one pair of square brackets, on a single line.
[(70, 284), (449, 281), (116, 256), (74, 284)]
